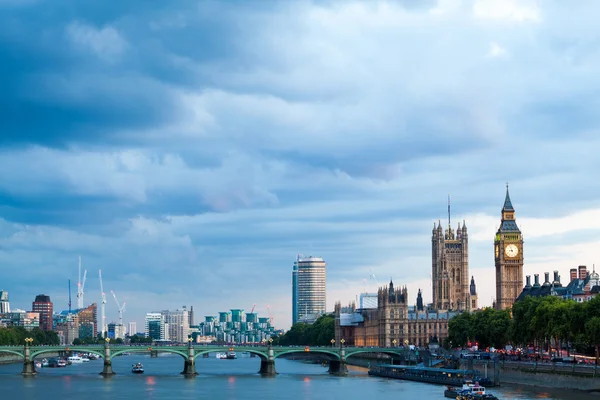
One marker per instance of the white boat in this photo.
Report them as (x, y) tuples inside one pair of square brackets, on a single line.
[(76, 359), (137, 368), (38, 364), (221, 355), (231, 355)]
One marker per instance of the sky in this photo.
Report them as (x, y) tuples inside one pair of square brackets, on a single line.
[(191, 149)]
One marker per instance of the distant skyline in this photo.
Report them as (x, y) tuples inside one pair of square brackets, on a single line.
[(190, 150)]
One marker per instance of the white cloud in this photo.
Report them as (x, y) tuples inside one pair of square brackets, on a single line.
[(496, 51), (516, 10), (107, 43)]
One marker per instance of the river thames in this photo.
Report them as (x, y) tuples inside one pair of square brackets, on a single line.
[(228, 379)]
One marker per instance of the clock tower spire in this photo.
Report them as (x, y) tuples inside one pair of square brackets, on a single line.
[(508, 252)]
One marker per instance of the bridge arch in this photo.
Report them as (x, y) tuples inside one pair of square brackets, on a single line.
[(17, 352), (333, 353), (78, 349), (148, 349), (261, 354)]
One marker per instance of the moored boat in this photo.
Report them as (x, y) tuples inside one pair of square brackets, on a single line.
[(441, 376), (137, 368), (231, 355)]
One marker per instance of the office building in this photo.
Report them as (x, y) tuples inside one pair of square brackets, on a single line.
[(43, 306), (308, 289), (132, 328), (4, 304)]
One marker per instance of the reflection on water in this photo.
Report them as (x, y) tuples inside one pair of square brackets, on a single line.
[(231, 379)]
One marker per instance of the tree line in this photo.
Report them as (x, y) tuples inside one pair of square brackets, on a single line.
[(15, 336), (535, 321), (302, 334)]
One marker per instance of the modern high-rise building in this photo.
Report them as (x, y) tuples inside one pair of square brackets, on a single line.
[(178, 325), (309, 278), (508, 249), (154, 326), (43, 306), (132, 328), (450, 267), (4, 304)]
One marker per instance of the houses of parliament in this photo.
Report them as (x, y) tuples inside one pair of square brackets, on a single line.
[(395, 320)]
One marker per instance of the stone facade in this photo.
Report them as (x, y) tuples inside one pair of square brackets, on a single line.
[(450, 267), (508, 253), (393, 323)]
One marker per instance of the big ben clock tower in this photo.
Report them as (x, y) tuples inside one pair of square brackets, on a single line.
[(508, 253)]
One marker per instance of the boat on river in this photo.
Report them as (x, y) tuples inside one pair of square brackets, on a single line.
[(441, 376), (231, 355), (468, 391), (137, 368)]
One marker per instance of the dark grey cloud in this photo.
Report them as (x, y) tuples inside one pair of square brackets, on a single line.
[(187, 147)]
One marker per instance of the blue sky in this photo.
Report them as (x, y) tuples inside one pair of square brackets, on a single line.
[(190, 150)]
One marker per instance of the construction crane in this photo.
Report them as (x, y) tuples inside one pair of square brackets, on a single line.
[(80, 286), (253, 306), (103, 320), (69, 296), (120, 308)]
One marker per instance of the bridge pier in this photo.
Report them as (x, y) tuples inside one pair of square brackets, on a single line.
[(107, 370), (267, 367), (189, 364), (28, 366), (339, 367)]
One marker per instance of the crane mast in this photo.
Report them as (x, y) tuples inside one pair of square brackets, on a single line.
[(80, 286), (103, 310), (120, 308)]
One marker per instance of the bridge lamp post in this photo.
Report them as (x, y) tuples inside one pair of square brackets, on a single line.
[(342, 343), (332, 342), (264, 341), (394, 342), (28, 341), (190, 341), (270, 342)]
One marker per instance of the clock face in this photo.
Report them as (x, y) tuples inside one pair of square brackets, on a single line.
[(511, 250)]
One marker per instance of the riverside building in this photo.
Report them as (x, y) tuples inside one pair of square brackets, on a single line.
[(309, 278)]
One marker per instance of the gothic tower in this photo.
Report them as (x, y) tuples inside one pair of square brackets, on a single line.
[(450, 266), (473, 295), (508, 251)]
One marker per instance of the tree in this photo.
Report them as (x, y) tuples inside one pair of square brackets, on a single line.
[(301, 334), (592, 328)]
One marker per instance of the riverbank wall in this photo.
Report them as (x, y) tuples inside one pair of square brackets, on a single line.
[(547, 375)]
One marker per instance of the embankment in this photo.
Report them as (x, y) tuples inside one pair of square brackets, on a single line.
[(547, 375)]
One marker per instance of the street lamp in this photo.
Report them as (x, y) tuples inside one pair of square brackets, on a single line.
[(342, 343), (332, 342), (270, 341), (394, 342), (107, 340), (28, 341)]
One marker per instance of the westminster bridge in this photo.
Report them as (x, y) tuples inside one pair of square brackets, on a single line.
[(337, 355)]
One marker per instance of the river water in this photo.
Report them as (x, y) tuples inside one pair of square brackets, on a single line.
[(227, 379)]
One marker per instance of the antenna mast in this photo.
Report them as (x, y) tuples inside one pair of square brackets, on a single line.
[(69, 296), (449, 224)]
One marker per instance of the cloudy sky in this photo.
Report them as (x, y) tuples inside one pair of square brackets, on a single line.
[(190, 149)]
